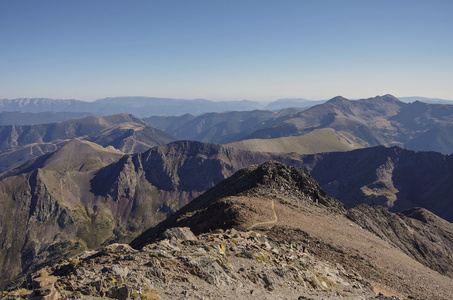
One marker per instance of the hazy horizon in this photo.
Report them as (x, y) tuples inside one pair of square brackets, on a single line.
[(263, 102), (255, 50)]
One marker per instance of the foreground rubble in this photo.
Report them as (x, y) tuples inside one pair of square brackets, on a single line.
[(220, 265)]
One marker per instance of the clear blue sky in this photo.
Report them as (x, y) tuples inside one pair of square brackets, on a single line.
[(225, 50)]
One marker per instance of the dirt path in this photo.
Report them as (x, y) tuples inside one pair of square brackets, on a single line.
[(268, 222)]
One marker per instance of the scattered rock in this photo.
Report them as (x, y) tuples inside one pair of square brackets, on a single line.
[(119, 249), (47, 292), (40, 282), (150, 294), (121, 293)]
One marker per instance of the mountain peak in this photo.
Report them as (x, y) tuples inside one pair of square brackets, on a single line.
[(387, 98), (272, 177), (338, 99), (244, 199)]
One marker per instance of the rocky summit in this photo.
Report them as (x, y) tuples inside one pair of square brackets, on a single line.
[(269, 232)]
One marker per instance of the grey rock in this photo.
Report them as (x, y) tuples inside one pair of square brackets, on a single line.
[(178, 233)]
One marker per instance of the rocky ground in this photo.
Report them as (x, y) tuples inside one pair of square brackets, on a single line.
[(221, 265)]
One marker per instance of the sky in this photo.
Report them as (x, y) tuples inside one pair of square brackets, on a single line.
[(258, 50)]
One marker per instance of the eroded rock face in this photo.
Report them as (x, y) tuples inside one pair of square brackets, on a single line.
[(396, 178), (229, 265)]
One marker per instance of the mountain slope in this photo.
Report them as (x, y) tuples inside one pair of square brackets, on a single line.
[(208, 212), (212, 127), (171, 168), (115, 198), (356, 117), (16, 136), (288, 206), (382, 120), (101, 196), (268, 231), (438, 138), (417, 232), (45, 215)]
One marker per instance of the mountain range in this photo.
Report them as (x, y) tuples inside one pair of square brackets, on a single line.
[(382, 120), (83, 195), (123, 132), (154, 106)]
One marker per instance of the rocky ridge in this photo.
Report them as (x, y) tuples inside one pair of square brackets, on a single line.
[(231, 202)]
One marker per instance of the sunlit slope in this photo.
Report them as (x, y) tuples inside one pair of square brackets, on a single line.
[(316, 141)]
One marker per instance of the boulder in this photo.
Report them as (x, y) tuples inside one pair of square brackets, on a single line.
[(178, 233)]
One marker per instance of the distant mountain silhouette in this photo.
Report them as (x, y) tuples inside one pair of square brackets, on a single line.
[(212, 127), (29, 118), (292, 102), (138, 106)]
